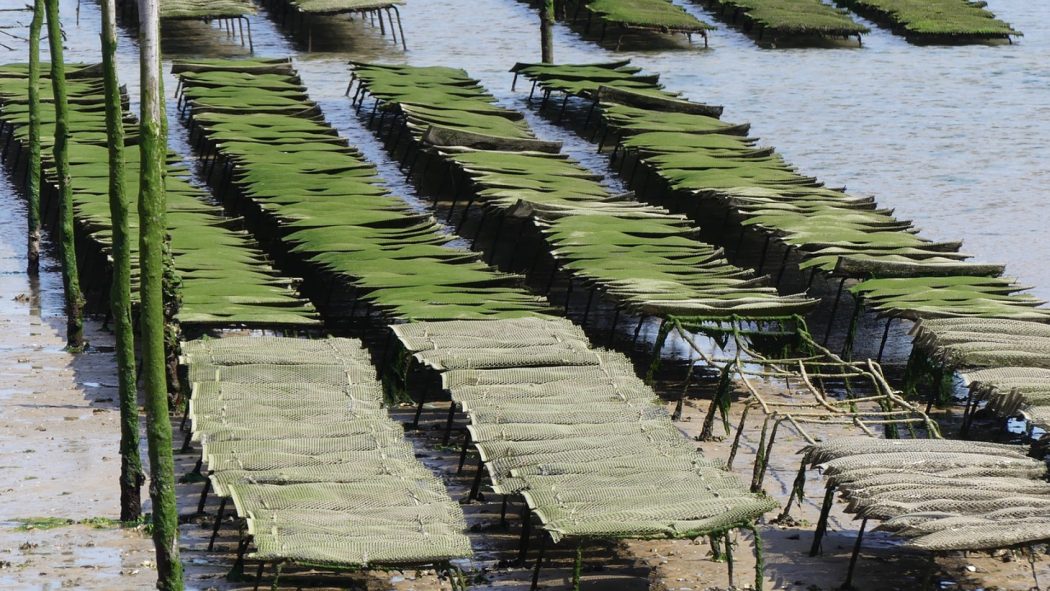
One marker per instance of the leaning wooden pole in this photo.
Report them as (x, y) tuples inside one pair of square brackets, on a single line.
[(70, 276), (33, 237), (153, 151), (547, 32), (131, 476)]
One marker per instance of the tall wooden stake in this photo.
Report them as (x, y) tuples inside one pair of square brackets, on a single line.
[(546, 31), (131, 476), (153, 150), (33, 242), (70, 276)]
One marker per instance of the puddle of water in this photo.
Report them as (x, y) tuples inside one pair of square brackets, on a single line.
[(1020, 426), (63, 562)]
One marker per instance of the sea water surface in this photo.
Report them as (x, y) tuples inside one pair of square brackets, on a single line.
[(953, 137)]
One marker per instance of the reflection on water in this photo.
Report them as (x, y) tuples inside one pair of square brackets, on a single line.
[(21, 295)]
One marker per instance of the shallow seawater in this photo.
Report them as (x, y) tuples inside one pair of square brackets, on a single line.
[(951, 136)]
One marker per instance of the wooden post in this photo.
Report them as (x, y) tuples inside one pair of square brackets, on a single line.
[(822, 523), (131, 476), (33, 242), (856, 552), (70, 276), (547, 32), (729, 559), (152, 203), (760, 561)]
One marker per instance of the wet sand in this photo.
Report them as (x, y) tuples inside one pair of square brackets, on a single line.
[(59, 437)]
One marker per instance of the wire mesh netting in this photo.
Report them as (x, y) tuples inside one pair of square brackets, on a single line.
[(223, 278), (643, 257), (693, 157), (1005, 363), (336, 218), (312, 461), (588, 446), (940, 494)]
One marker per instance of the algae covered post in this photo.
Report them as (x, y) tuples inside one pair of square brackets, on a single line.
[(131, 476), (70, 277), (546, 32), (33, 189), (152, 203)]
